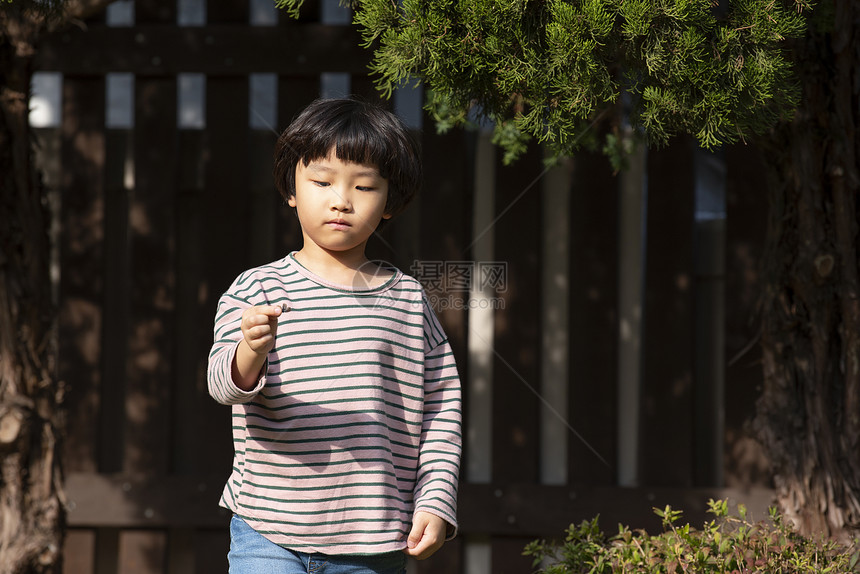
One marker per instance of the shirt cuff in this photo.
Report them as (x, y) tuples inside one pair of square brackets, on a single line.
[(243, 395)]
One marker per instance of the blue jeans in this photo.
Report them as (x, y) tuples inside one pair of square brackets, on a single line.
[(252, 553)]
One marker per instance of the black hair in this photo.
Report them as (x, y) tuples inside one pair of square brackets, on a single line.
[(359, 132)]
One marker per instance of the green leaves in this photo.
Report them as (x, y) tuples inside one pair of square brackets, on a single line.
[(291, 7), (731, 543), (547, 69)]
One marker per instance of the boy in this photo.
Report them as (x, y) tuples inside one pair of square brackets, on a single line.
[(344, 392)]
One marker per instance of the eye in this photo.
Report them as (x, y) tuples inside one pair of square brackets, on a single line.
[(320, 183), (364, 188)]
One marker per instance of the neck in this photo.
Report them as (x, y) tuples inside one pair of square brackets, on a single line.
[(342, 268), (332, 265)]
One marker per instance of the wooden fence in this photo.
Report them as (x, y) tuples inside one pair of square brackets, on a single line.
[(597, 369)]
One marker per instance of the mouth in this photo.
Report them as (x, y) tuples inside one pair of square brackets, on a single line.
[(338, 224)]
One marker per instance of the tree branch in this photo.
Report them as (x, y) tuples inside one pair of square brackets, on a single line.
[(77, 10)]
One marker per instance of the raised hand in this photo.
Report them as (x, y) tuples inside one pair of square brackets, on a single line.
[(260, 327), (259, 330)]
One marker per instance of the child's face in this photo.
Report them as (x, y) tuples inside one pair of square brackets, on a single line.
[(339, 204)]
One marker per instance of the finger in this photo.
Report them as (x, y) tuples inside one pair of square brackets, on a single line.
[(260, 331), (260, 345), (416, 533), (265, 311), (250, 320), (261, 315), (270, 310), (424, 549)]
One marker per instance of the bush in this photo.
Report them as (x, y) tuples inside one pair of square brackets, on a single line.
[(728, 544)]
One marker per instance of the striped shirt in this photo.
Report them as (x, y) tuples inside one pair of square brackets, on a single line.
[(355, 422)]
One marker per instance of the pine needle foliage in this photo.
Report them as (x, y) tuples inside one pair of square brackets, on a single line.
[(547, 69)]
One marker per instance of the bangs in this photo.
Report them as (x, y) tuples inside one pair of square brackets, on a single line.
[(353, 140)]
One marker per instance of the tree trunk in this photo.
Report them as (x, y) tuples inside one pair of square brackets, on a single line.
[(32, 515), (808, 416), (31, 512)]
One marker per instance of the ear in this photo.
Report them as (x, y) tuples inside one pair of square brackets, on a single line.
[(386, 216), (291, 201)]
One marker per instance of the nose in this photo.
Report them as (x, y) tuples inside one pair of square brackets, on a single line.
[(339, 199)]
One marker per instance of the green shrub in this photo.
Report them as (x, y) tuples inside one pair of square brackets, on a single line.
[(728, 544)]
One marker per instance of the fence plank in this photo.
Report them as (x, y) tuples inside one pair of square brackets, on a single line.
[(180, 551), (107, 551), (532, 510), (159, 50), (210, 550), (436, 230), (162, 11), (512, 509), (593, 319), (142, 552), (294, 93), (153, 282), (364, 86), (665, 443), (517, 339), (448, 559), (116, 301), (507, 555), (140, 501), (201, 441), (265, 201), (226, 209), (746, 224), (81, 259), (445, 208), (79, 550), (310, 12), (226, 222), (516, 345), (220, 12)]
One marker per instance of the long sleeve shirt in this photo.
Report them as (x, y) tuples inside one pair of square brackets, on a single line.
[(355, 422)]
